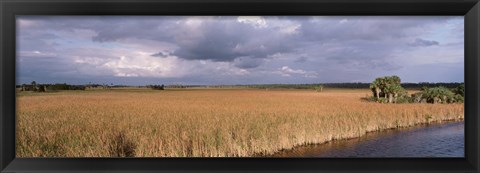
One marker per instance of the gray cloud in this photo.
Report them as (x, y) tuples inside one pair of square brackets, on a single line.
[(160, 54), (423, 43), (301, 59), (365, 28), (225, 39), (247, 62)]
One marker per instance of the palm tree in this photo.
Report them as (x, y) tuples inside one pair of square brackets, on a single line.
[(395, 80), (375, 86), (389, 86), (389, 90), (384, 84), (396, 89)]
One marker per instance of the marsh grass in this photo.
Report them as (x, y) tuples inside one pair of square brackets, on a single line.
[(203, 122), (122, 146)]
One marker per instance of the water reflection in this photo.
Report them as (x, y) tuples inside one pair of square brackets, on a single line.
[(438, 140)]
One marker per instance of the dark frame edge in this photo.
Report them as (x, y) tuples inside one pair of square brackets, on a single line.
[(472, 40), (7, 153), (2, 164)]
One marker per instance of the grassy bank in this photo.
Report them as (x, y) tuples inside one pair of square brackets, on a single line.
[(203, 122)]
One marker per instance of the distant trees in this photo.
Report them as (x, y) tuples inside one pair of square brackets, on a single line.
[(319, 88), (34, 86), (388, 89), (41, 88), (157, 87)]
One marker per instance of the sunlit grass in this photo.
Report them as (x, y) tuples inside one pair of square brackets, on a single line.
[(203, 122)]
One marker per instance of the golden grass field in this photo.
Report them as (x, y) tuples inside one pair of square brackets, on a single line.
[(203, 122)]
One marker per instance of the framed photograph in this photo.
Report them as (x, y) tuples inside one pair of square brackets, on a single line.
[(239, 86)]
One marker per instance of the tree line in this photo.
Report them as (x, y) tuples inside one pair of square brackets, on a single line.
[(34, 86)]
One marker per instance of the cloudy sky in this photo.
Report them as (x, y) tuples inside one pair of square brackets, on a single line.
[(139, 50)]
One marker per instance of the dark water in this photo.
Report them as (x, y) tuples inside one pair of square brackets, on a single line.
[(437, 140)]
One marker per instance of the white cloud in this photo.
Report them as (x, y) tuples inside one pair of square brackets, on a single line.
[(291, 29), (256, 21), (343, 21), (25, 23), (287, 72)]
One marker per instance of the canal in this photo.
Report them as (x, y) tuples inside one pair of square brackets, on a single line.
[(434, 140)]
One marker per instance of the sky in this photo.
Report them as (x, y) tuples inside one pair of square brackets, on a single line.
[(223, 50)]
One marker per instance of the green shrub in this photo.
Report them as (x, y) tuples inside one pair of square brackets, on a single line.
[(459, 99), (390, 86), (404, 99), (417, 97), (460, 90), (438, 94), (371, 98), (382, 100)]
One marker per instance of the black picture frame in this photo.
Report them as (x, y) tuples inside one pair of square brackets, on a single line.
[(10, 8)]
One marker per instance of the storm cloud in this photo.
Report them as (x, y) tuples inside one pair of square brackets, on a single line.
[(139, 50)]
